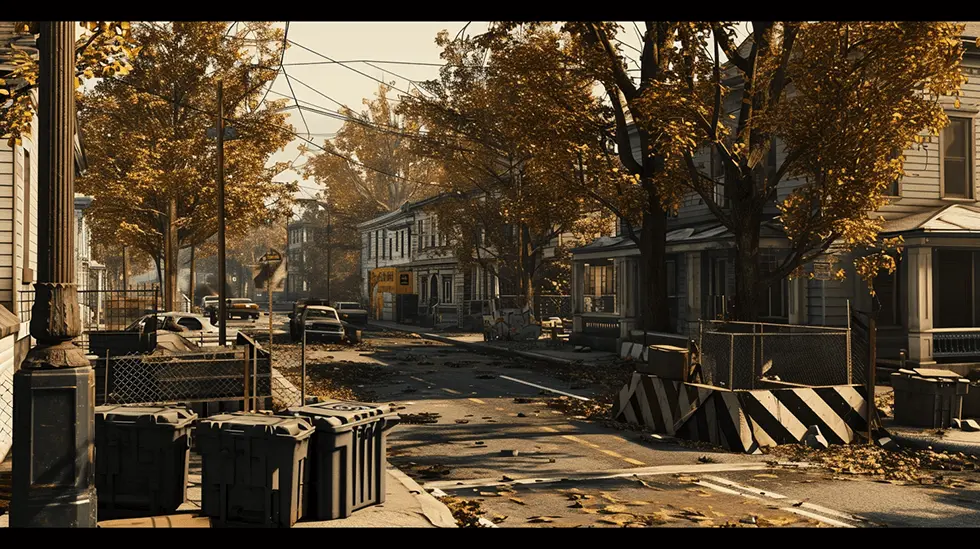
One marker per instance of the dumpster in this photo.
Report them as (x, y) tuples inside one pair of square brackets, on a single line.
[(141, 458), (348, 455), (254, 468), (927, 397)]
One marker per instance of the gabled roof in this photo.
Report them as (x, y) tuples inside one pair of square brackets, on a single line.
[(954, 218)]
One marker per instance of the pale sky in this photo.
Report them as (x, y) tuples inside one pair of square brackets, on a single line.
[(352, 43)]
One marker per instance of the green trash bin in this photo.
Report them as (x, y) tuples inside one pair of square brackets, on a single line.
[(254, 468), (141, 459), (348, 455)]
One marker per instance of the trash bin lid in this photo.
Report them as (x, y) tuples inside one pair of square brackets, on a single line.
[(178, 416), (342, 412), (259, 425), (932, 372)]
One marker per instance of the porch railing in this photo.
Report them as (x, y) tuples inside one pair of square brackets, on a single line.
[(955, 342)]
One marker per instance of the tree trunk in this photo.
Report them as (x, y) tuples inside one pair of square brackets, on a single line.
[(654, 315), (193, 279), (747, 282)]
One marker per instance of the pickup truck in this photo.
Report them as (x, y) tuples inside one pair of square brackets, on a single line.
[(351, 311)]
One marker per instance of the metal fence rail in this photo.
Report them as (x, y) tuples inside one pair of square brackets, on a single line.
[(743, 355)]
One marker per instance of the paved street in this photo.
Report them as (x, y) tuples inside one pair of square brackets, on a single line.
[(494, 441)]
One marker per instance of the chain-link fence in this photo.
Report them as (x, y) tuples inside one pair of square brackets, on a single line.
[(231, 374), (744, 355)]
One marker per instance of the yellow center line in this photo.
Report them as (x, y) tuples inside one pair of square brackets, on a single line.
[(478, 401), (603, 450), (549, 429), (633, 461), (450, 391)]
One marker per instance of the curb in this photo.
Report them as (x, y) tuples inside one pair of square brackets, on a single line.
[(937, 445), (481, 347), (434, 510)]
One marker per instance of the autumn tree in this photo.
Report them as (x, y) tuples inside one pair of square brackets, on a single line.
[(368, 169), (825, 108), (151, 163), (103, 50), (491, 120)]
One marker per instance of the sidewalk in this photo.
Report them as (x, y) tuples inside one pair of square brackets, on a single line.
[(475, 342), (406, 505)]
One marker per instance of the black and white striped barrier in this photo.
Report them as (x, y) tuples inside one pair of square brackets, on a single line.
[(742, 420)]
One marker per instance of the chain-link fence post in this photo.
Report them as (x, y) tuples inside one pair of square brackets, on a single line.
[(255, 375), (302, 360), (848, 343)]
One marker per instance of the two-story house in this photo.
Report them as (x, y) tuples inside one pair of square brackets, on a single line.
[(929, 308)]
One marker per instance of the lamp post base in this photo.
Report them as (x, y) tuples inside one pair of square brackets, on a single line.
[(54, 447)]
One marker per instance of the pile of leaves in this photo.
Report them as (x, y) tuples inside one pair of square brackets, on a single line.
[(590, 409), (466, 512), (905, 465), (885, 403)]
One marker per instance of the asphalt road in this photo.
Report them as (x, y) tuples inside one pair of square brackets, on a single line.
[(495, 443)]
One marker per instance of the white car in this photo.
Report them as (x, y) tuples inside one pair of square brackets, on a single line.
[(195, 328), (321, 322)]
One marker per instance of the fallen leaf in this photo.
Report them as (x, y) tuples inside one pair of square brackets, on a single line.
[(637, 503), (489, 494), (613, 509)]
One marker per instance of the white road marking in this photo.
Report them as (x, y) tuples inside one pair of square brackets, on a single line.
[(543, 388), (615, 473), (797, 507)]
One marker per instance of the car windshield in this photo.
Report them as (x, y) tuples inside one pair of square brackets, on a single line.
[(320, 313), (240, 300)]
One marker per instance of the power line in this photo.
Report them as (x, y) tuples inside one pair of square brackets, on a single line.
[(378, 61), (301, 115), (347, 66)]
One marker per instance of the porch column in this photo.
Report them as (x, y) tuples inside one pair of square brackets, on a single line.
[(797, 301), (693, 282), (578, 296), (919, 265), (54, 390)]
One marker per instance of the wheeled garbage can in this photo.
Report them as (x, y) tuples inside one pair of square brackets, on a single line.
[(348, 455), (254, 468), (141, 459)]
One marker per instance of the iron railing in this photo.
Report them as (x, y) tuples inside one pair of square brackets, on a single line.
[(955, 342)]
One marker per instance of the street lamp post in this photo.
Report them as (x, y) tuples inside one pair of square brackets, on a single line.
[(54, 390)]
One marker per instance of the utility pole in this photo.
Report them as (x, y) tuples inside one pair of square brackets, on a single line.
[(54, 390), (222, 312), (125, 267), (329, 262)]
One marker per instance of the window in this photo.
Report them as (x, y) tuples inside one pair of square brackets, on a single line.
[(434, 229), (401, 240), (447, 288), (377, 248), (408, 240), (421, 234), (773, 303), (957, 146), (718, 174), (190, 323), (424, 288), (390, 242)]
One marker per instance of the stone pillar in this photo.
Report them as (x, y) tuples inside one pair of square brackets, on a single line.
[(626, 292), (920, 307), (54, 391), (693, 291)]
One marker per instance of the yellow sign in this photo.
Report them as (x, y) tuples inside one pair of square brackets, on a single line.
[(405, 283)]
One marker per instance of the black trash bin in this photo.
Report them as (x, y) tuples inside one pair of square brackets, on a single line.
[(348, 456), (254, 468), (141, 459)]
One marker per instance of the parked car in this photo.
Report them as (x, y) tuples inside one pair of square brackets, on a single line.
[(193, 327), (241, 307), (322, 322), (296, 317), (209, 304), (351, 311)]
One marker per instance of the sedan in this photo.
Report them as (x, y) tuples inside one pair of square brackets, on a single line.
[(193, 327)]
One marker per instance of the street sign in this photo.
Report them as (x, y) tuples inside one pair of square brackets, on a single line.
[(823, 270), (271, 271), (230, 133)]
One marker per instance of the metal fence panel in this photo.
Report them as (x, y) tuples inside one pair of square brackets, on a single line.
[(743, 355)]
